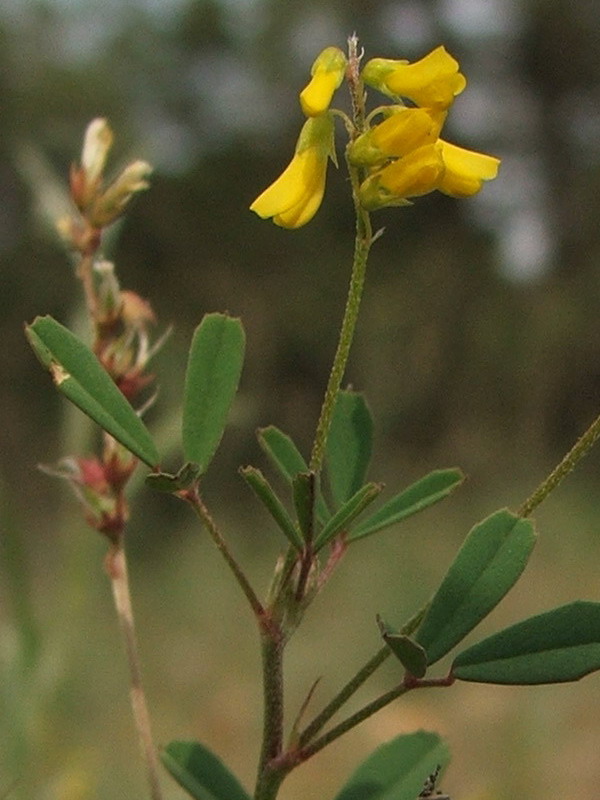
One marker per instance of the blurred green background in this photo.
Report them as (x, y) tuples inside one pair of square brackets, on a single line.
[(479, 345)]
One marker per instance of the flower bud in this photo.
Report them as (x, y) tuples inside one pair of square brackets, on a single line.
[(113, 200), (87, 178), (136, 312), (97, 142), (327, 75), (108, 294)]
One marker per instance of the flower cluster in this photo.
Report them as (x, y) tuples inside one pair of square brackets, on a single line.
[(399, 157), (121, 320)]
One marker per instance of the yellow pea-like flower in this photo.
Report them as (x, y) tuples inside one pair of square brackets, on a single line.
[(465, 170), (443, 166), (416, 174), (327, 73), (432, 82), (294, 198), (405, 129)]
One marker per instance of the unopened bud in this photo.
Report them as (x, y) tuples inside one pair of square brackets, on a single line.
[(327, 74), (86, 179), (112, 202), (135, 311), (108, 293), (96, 144)]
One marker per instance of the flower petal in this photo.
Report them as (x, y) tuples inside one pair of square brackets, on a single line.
[(465, 170)]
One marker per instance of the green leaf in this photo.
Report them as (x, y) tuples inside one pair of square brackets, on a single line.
[(265, 493), (418, 496), (79, 375), (282, 452), (398, 769), (304, 493), (349, 446), (213, 373), (348, 513), (557, 646), (488, 564), (410, 654), (201, 773), (288, 461), (165, 482)]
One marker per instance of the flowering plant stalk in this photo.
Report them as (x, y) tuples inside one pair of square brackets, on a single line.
[(393, 153)]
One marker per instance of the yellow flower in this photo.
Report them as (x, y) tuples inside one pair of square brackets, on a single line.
[(294, 198), (405, 129), (442, 166), (416, 174), (327, 74), (432, 82), (465, 170)]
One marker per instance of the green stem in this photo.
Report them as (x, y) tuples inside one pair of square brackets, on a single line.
[(357, 681), (351, 722), (193, 498), (362, 245), (343, 696), (116, 567), (567, 465), (272, 643)]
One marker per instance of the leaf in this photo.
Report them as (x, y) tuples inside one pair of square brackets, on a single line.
[(201, 773), (288, 461), (418, 496), (165, 482), (265, 493), (304, 493), (348, 513), (213, 373), (349, 446), (410, 654), (554, 647), (282, 452), (79, 375), (488, 564), (398, 769)]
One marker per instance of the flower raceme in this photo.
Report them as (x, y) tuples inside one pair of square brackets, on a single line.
[(294, 198), (399, 157)]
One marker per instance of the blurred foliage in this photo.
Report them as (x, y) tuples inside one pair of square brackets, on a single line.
[(479, 342)]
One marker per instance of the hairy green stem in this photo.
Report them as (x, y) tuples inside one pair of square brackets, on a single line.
[(193, 498), (367, 711), (362, 245), (116, 567), (352, 721), (344, 695), (583, 445), (357, 681), (272, 644)]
